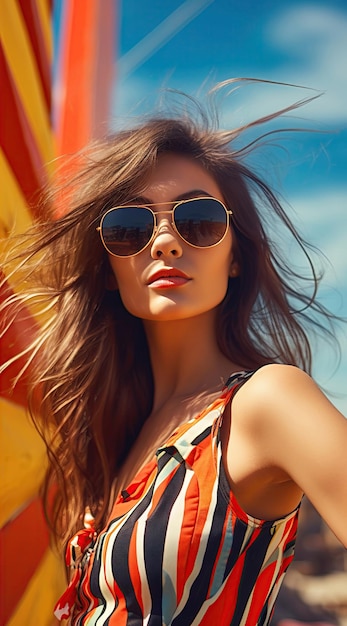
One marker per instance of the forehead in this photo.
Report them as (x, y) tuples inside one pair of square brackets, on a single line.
[(176, 174)]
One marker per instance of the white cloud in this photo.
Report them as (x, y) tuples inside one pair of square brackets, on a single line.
[(315, 37), (131, 97), (323, 220), (314, 41)]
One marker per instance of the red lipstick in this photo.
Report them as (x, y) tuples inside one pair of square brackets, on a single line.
[(167, 278)]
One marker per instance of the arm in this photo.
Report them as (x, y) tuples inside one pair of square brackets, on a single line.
[(302, 434)]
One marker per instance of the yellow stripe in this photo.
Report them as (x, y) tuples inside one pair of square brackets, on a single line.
[(38, 601), (23, 458), (23, 67), (44, 11), (15, 216)]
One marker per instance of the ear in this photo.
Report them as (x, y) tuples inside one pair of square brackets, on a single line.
[(111, 282), (234, 269)]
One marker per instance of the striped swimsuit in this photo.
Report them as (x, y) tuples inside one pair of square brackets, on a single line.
[(178, 548)]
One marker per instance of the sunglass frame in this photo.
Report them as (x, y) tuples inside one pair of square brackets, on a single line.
[(171, 211)]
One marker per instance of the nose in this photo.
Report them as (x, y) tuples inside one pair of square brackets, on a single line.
[(166, 241)]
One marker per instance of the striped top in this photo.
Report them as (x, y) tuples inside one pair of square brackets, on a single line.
[(178, 548)]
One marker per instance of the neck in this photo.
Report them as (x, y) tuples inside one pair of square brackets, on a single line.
[(185, 358)]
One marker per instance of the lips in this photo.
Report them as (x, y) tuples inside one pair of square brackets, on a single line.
[(170, 277)]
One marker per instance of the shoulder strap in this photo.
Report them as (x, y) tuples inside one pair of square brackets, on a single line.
[(235, 381)]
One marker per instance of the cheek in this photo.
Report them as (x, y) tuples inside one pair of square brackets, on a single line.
[(217, 270), (225, 255), (123, 270), (218, 285)]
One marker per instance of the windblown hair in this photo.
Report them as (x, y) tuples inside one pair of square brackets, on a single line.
[(92, 384)]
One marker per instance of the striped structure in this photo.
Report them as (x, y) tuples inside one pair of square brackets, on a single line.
[(27, 145), (179, 549), (31, 578)]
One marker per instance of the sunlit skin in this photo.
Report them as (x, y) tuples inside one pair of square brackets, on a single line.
[(188, 367), (285, 437)]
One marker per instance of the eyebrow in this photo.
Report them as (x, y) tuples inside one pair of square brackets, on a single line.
[(187, 195)]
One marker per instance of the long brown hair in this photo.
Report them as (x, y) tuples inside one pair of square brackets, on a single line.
[(92, 385)]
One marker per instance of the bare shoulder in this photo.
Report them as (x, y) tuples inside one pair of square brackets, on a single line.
[(282, 407), (276, 390), (267, 379), (282, 412)]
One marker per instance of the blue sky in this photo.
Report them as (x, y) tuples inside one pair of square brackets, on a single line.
[(191, 45)]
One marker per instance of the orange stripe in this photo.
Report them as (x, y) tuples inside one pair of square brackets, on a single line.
[(86, 70), (77, 75), (197, 459), (133, 566), (23, 542), (104, 69), (264, 582), (187, 546)]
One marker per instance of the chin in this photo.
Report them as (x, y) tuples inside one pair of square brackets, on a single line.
[(162, 314), (169, 310), (167, 316), (172, 314)]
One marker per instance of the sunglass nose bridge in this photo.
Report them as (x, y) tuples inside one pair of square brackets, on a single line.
[(168, 212), (163, 219)]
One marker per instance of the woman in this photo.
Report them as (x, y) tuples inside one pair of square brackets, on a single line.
[(184, 430)]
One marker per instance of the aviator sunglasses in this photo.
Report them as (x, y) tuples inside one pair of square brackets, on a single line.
[(200, 222)]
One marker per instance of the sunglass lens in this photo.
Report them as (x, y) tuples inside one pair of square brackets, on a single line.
[(201, 222), (127, 230)]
